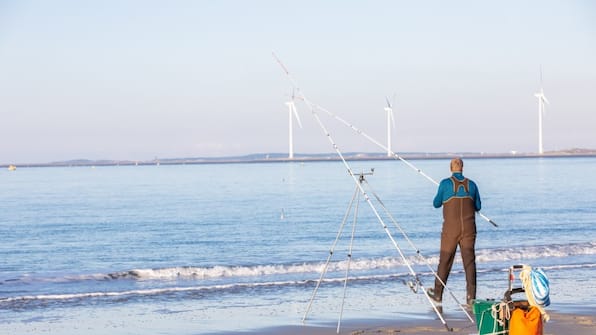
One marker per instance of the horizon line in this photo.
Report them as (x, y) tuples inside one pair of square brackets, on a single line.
[(283, 157)]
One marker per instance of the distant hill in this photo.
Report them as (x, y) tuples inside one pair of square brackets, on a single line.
[(283, 157)]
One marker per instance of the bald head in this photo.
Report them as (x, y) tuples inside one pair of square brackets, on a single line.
[(457, 165)]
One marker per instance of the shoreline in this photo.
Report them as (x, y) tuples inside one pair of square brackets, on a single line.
[(561, 323), (302, 158)]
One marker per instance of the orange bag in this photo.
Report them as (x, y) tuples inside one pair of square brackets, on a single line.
[(525, 322)]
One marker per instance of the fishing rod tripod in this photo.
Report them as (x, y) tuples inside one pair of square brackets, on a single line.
[(351, 207), (360, 182), (414, 282)]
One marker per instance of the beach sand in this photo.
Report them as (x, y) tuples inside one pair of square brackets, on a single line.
[(559, 324)]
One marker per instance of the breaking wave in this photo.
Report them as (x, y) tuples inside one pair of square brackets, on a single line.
[(482, 256), (263, 276), (218, 272)]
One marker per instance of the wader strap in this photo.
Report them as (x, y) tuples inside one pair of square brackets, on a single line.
[(457, 183)]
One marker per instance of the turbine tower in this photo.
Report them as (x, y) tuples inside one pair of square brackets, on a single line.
[(291, 114), (541, 100), (390, 121)]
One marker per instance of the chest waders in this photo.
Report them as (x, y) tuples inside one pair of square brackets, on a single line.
[(459, 228)]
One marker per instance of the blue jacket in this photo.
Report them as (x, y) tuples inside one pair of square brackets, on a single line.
[(445, 192)]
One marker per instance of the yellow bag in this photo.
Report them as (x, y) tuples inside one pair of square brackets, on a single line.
[(525, 322)]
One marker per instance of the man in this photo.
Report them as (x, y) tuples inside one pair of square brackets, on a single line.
[(460, 199)]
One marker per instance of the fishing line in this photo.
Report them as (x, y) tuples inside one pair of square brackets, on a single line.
[(313, 108)]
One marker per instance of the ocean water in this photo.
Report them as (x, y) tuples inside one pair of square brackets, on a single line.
[(200, 249)]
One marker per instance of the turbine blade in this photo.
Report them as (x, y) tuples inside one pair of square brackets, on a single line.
[(540, 75), (392, 114), (296, 115), (544, 99), (388, 102)]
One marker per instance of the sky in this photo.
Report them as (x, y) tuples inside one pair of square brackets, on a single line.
[(138, 80)]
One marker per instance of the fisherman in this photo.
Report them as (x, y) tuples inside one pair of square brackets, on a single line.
[(460, 199)]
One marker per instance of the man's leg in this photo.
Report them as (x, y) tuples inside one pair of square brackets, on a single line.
[(468, 256), (447, 254)]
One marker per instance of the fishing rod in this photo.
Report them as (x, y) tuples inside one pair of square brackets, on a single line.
[(370, 138), (394, 154), (359, 186)]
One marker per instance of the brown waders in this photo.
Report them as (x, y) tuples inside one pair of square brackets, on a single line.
[(459, 228)]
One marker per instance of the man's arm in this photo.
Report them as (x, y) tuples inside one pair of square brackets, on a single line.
[(477, 202), (438, 201)]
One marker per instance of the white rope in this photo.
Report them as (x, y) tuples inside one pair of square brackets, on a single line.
[(501, 313), (496, 319)]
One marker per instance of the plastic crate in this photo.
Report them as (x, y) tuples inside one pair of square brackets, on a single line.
[(485, 322)]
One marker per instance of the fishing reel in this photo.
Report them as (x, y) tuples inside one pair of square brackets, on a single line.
[(414, 284)]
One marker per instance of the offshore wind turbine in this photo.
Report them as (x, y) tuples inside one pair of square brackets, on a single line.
[(390, 121), (291, 114), (541, 100)]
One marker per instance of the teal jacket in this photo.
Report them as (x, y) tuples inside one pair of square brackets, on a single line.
[(445, 192)]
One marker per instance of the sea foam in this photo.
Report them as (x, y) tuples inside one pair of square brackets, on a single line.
[(368, 264)]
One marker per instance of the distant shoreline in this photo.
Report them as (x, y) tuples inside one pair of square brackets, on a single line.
[(282, 158)]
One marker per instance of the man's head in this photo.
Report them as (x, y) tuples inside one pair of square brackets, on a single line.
[(457, 165)]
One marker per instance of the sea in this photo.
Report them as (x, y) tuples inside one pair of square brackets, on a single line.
[(222, 248)]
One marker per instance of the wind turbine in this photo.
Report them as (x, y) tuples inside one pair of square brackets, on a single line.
[(541, 100), (390, 121), (291, 114)]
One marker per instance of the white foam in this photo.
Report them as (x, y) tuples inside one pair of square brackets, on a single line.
[(370, 264), (482, 256), (156, 291), (222, 287)]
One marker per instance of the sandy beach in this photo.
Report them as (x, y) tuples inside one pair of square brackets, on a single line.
[(559, 324)]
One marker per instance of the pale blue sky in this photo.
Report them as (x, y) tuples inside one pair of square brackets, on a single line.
[(144, 79)]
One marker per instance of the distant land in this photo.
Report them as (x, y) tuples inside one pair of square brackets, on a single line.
[(283, 157)]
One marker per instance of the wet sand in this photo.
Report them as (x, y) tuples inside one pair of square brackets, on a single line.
[(559, 324)]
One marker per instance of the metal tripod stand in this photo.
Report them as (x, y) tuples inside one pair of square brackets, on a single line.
[(414, 283)]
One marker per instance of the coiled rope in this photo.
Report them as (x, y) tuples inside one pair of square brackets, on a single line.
[(501, 312)]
